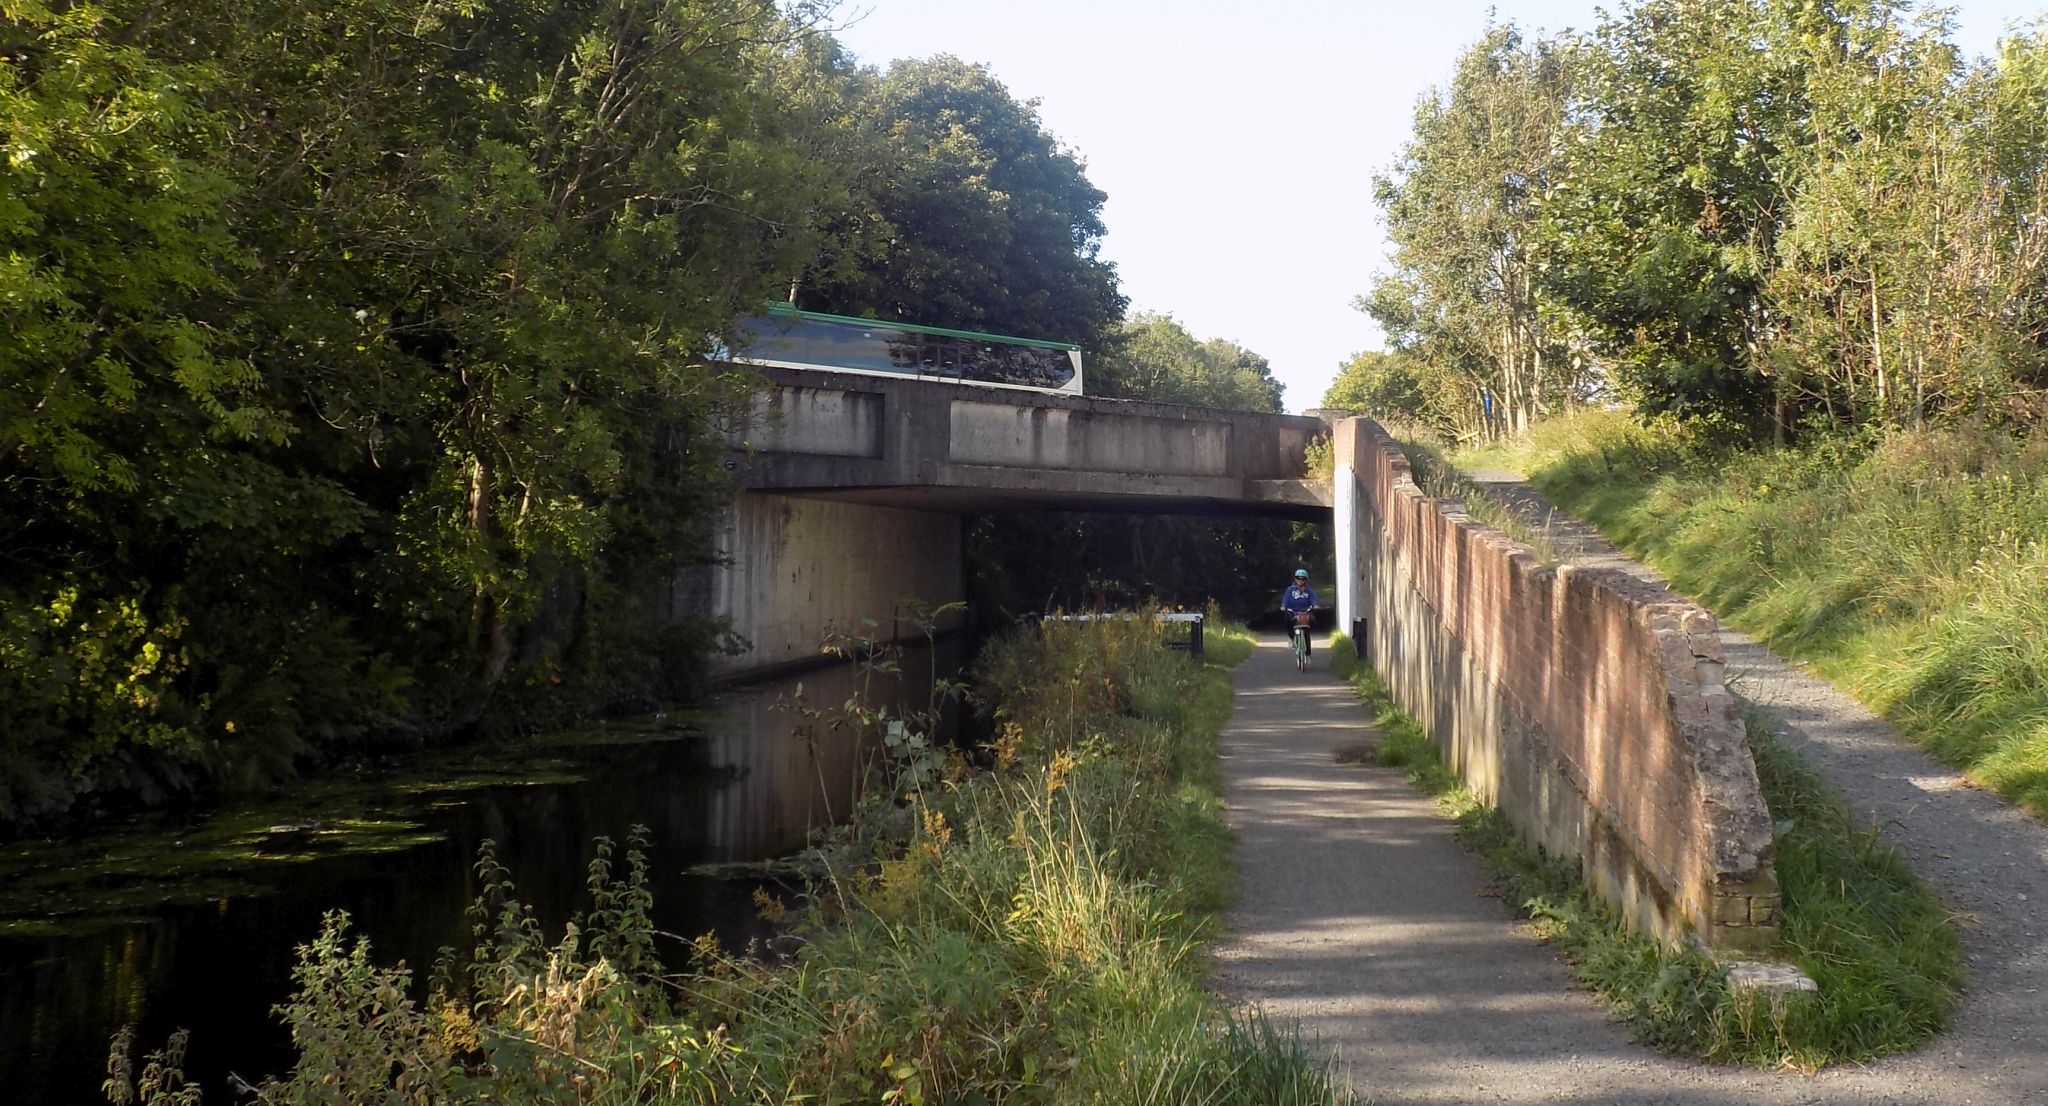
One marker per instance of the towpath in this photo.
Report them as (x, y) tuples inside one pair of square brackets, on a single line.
[(1361, 916)]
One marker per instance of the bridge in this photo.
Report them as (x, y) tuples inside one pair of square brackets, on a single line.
[(854, 491), (912, 444)]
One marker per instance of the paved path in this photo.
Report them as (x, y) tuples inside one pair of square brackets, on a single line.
[(1360, 915)]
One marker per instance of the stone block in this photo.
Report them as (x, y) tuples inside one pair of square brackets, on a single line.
[(1765, 910), (1768, 979)]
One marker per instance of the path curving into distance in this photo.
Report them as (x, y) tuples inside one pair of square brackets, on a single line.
[(1361, 916)]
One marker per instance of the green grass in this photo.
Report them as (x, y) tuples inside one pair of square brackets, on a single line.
[(1439, 478), (1031, 932), (1910, 569), (1038, 936), (1227, 644), (1857, 921)]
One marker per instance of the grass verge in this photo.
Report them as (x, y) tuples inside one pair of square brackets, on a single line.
[(1227, 645), (1857, 921), (1439, 478), (1028, 932), (1910, 569)]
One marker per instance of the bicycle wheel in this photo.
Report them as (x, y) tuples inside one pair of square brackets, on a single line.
[(1300, 649)]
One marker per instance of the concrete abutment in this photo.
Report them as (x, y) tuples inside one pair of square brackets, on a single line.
[(795, 568)]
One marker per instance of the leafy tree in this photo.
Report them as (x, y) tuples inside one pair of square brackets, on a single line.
[(1153, 357), (352, 376), (1395, 385), (1910, 276), (1463, 207), (967, 213)]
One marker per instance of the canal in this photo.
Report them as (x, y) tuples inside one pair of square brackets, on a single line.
[(194, 925)]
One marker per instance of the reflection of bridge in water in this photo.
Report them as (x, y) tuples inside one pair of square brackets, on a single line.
[(853, 489)]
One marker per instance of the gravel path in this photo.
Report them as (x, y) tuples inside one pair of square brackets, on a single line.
[(1360, 915)]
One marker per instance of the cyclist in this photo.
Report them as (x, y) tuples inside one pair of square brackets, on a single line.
[(1299, 598)]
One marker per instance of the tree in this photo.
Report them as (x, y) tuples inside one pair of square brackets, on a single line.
[(1910, 276), (1395, 386), (1463, 207), (1153, 357), (353, 365), (967, 213)]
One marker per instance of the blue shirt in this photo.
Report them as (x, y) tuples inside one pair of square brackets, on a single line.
[(1298, 597)]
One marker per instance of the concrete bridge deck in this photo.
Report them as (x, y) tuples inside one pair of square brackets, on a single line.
[(967, 449)]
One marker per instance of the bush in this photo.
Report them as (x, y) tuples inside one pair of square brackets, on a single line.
[(1028, 932)]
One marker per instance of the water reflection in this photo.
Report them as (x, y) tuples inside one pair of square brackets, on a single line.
[(194, 926)]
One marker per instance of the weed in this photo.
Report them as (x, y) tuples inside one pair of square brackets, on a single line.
[(1027, 933)]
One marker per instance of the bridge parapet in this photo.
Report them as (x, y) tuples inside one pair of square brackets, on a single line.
[(965, 448)]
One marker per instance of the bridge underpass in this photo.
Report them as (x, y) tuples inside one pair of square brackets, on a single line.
[(854, 491)]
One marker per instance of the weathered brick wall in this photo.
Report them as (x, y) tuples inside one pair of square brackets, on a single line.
[(1584, 703)]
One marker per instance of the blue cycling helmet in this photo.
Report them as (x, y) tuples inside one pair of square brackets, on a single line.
[(1301, 574)]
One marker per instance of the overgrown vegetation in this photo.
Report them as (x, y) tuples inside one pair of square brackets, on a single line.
[(1909, 568), (1857, 921), (354, 392), (1025, 932), (1437, 476)]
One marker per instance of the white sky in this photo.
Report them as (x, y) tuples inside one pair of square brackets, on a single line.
[(1237, 142)]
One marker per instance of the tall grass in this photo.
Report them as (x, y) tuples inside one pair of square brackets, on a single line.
[(1439, 478), (1029, 932), (1911, 569), (1857, 921)]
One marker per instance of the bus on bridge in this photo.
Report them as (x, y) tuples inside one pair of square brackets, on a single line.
[(788, 338)]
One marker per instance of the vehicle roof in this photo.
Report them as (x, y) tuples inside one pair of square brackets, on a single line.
[(787, 310)]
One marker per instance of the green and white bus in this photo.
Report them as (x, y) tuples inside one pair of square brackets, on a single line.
[(793, 339)]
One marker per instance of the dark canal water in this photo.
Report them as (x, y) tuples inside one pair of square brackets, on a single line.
[(195, 925)]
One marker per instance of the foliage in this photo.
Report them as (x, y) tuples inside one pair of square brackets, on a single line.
[(1462, 207), (1437, 477), (352, 390), (351, 360), (1908, 567), (1761, 217), (1857, 921), (965, 212), (1396, 387), (1153, 357), (1663, 234), (1026, 932)]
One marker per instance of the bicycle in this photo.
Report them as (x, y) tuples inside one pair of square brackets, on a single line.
[(1302, 621)]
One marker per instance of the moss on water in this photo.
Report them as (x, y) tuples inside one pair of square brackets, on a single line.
[(123, 876)]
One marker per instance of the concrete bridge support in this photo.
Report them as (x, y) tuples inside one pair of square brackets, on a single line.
[(798, 566)]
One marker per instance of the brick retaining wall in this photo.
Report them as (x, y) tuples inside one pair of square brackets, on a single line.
[(1584, 703)]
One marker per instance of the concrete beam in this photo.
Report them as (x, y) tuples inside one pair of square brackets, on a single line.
[(970, 449)]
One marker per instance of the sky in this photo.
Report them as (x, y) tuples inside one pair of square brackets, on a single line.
[(1237, 142)]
